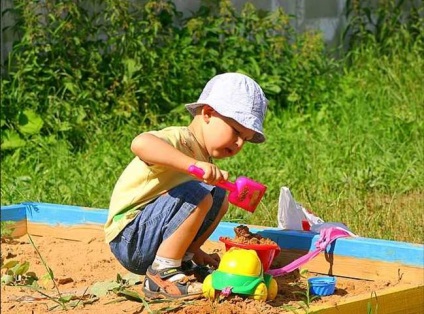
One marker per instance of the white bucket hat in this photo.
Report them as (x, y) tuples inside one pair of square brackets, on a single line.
[(238, 97)]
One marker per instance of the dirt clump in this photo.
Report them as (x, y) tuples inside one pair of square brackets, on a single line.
[(244, 236)]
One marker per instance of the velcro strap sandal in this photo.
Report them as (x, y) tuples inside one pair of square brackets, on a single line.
[(156, 285)]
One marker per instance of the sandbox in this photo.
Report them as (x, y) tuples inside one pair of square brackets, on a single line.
[(372, 274)]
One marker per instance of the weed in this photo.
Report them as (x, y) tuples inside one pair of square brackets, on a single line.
[(370, 306), (306, 302), (121, 287), (18, 274), (307, 298), (7, 228)]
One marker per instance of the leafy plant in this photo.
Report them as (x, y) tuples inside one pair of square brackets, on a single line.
[(77, 66), (7, 228), (121, 287), (18, 274), (61, 300), (307, 298), (383, 24), (120, 284), (346, 134)]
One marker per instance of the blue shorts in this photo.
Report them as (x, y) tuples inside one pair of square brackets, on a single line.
[(136, 246)]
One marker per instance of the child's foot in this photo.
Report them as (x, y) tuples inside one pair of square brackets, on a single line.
[(158, 284)]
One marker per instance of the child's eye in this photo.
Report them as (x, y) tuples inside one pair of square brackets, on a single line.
[(238, 133)]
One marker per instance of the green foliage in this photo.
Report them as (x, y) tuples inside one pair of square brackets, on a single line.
[(358, 159), (17, 274), (81, 64), (60, 300), (345, 135), (389, 26), (304, 293), (7, 228), (373, 299), (262, 45), (307, 298), (121, 284), (122, 288)]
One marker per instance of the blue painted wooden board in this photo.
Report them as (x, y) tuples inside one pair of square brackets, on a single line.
[(364, 248), (13, 212)]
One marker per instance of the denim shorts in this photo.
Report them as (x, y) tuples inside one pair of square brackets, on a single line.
[(136, 246)]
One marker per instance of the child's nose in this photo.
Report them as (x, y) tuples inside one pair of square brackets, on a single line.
[(240, 142)]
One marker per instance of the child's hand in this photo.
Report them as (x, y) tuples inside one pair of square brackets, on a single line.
[(203, 258), (212, 174)]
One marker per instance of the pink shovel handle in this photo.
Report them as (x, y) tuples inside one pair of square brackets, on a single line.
[(198, 172)]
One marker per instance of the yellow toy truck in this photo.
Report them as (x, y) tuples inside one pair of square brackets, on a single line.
[(240, 272)]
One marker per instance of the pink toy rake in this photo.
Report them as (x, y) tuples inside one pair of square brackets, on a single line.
[(244, 192)]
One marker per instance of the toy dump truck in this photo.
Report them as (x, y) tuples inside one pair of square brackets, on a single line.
[(240, 272)]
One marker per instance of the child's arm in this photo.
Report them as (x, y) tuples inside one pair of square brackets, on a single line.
[(155, 151)]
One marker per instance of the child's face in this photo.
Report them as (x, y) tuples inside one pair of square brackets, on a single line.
[(224, 137)]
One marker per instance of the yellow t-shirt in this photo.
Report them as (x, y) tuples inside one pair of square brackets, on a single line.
[(140, 183)]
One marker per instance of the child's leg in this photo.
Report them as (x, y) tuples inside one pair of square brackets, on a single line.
[(169, 255), (178, 242), (168, 226), (186, 233), (197, 243), (166, 277)]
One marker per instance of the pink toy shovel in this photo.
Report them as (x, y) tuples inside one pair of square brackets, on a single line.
[(244, 192)]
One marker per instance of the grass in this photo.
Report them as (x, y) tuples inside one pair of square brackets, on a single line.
[(357, 159)]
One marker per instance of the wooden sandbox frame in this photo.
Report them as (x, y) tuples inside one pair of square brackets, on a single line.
[(359, 258)]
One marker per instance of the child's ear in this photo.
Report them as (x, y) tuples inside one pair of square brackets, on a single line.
[(207, 112)]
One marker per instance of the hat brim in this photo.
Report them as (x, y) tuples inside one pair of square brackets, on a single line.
[(259, 137)]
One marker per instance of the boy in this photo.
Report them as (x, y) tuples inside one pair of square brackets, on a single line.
[(159, 214)]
